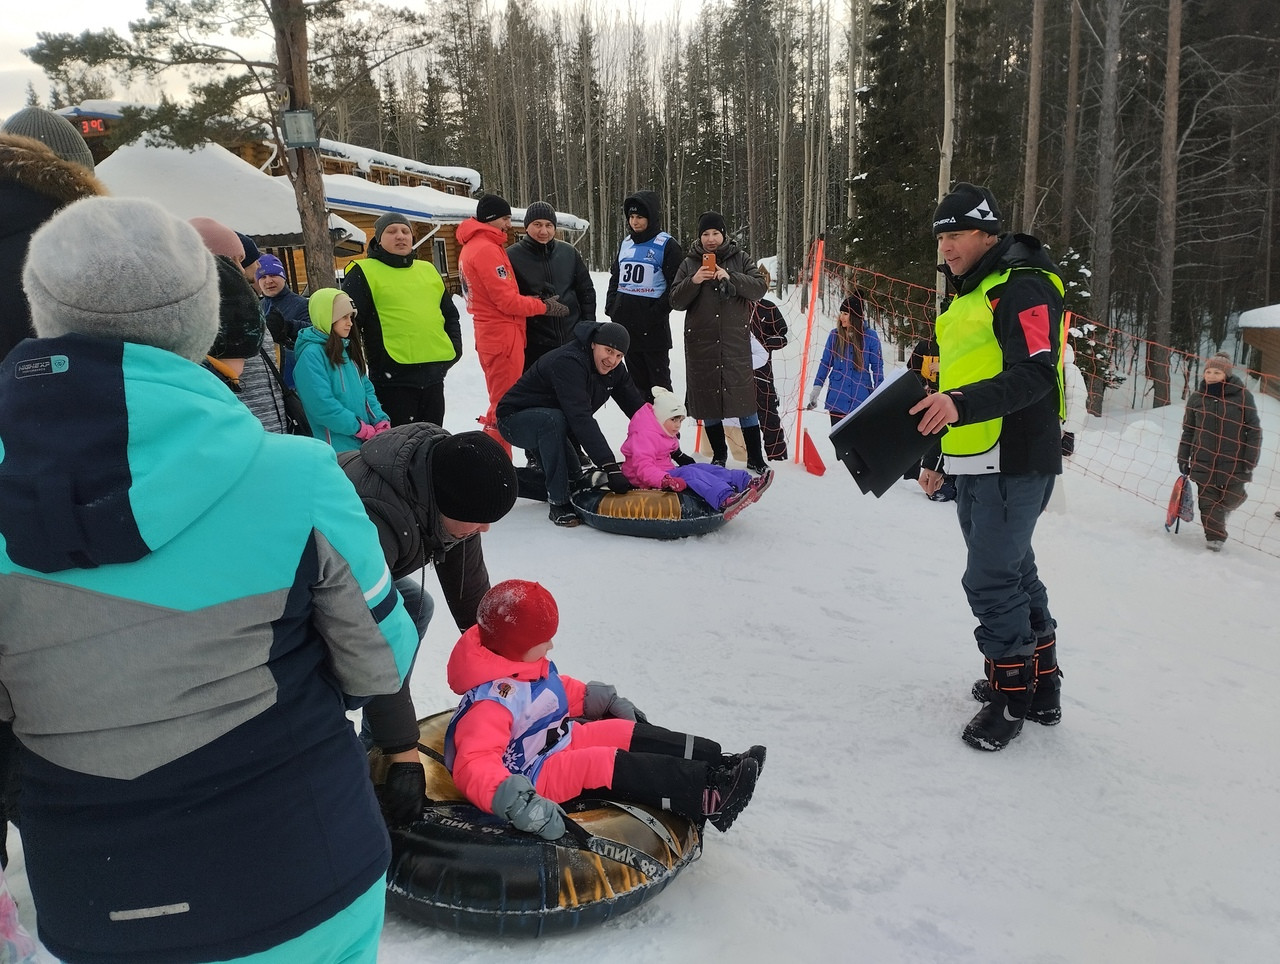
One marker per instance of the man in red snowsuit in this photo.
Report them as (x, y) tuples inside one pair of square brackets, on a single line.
[(495, 302)]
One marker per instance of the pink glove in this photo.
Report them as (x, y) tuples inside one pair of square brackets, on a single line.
[(365, 432), (673, 483), (381, 427)]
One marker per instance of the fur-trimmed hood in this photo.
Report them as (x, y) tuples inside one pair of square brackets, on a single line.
[(27, 162), (34, 185)]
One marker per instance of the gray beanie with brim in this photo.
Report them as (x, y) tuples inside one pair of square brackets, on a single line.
[(124, 269)]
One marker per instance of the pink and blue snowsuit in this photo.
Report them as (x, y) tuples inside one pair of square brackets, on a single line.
[(647, 453)]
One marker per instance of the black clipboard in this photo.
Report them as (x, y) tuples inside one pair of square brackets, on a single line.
[(879, 440)]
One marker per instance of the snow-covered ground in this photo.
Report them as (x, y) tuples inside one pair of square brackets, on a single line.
[(832, 627)]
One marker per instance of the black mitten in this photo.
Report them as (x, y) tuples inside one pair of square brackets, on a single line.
[(404, 793), (681, 459), (617, 481)]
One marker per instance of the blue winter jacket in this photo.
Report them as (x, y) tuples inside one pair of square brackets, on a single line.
[(849, 387), (178, 649), (336, 400)]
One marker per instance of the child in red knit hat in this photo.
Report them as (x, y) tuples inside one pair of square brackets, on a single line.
[(525, 738)]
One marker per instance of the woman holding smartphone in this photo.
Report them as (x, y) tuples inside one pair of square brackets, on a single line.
[(717, 286)]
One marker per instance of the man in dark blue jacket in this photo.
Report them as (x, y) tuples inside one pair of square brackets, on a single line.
[(555, 402)]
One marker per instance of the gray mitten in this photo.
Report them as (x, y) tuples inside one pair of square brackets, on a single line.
[(602, 701), (516, 801)]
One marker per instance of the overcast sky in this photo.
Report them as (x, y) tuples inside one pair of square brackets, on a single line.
[(21, 23)]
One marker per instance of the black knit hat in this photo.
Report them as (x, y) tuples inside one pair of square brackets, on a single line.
[(539, 211), (854, 306), (388, 219), (612, 335), (968, 207), (712, 220), (490, 207), (472, 479), (251, 252)]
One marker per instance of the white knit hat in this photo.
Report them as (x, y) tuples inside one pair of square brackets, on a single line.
[(666, 405), (125, 269)]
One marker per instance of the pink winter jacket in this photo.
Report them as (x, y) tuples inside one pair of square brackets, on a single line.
[(647, 450), (484, 731)]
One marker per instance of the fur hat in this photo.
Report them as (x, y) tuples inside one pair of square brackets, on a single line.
[(123, 268), (612, 335), (472, 479), (54, 131), (666, 405), (539, 211), (1221, 361), (388, 219), (490, 207), (712, 221), (269, 264), (967, 207), (515, 616)]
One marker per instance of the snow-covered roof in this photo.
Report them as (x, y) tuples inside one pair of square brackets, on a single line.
[(366, 157), (422, 203), (209, 181), (1268, 317)]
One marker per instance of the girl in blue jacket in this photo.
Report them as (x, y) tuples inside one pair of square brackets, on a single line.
[(851, 361), (331, 374)]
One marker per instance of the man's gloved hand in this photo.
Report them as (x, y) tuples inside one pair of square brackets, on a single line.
[(602, 702), (1184, 468), (813, 398), (404, 794), (681, 459), (517, 802), (673, 483), (555, 307), (365, 431), (617, 481)]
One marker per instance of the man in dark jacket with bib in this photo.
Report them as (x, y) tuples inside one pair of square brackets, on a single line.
[(639, 295), (1000, 391)]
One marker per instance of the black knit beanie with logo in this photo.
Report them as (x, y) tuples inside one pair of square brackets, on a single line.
[(968, 207)]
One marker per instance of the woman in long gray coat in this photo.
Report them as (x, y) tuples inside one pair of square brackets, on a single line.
[(717, 298)]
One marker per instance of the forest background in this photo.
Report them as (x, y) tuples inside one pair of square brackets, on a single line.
[(1140, 140)]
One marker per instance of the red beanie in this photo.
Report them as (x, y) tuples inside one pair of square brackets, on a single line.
[(515, 616)]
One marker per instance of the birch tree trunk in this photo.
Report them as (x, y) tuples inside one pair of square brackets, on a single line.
[(1031, 152), (1070, 130), (1167, 228), (948, 123), (1103, 228)]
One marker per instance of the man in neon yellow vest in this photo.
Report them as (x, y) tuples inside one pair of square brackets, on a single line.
[(1000, 393)]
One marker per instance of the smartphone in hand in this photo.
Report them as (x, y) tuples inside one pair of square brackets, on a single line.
[(709, 262)]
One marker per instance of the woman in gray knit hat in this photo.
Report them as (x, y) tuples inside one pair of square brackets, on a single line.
[(178, 663)]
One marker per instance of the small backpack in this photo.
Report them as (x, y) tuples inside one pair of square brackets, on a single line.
[(1182, 504)]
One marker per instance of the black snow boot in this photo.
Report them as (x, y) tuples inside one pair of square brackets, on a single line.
[(690, 788), (1046, 697), (719, 448), (755, 450), (997, 723)]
